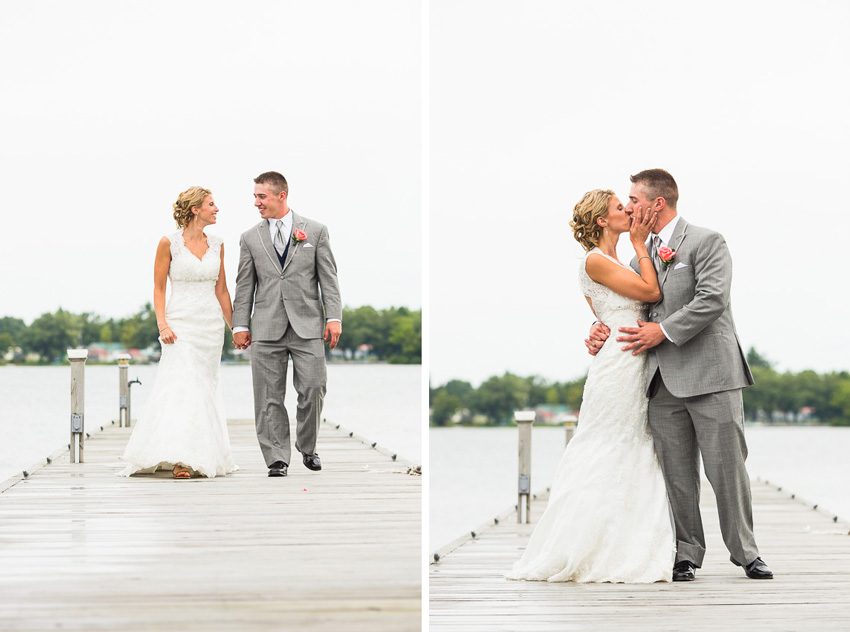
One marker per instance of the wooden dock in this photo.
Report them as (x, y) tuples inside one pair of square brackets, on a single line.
[(340, 549), (808, 551)]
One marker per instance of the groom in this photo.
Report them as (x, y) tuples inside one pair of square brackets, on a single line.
[(287, 278), (697, 371)]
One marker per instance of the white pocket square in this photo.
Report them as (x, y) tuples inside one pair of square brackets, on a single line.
[(680, 265), (308, 245)]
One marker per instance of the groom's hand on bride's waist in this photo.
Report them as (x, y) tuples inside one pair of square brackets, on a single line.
[(599, 333), (644, 336)]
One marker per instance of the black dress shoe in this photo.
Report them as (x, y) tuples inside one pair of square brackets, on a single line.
[(684, 571), (756, 569), (278, 468), (313, 462)]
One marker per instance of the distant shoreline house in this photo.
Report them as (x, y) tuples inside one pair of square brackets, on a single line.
[(363, 353), (109, 352), (554, 415)]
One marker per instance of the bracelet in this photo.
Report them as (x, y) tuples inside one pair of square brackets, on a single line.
[(166, 327), (644, 257)]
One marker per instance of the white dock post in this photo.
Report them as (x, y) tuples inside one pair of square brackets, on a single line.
[(123, 390), (570, 427), (77, 358), (524, 420)]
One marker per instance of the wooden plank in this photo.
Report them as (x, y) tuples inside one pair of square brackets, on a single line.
[(82, 549), (808, 552)]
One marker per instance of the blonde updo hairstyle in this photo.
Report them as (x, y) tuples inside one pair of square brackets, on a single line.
[(590, 208), (193, 197)]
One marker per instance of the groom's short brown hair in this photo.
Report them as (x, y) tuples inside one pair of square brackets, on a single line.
[(274, 181), (658, 183)]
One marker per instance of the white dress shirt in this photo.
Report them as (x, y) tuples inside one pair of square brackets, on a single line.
[(285, 228), (666, 235)]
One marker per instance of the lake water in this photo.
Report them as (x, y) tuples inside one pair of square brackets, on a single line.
[(380, 402), (473, 471)]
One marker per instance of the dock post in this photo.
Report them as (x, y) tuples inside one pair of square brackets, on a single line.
[(76, 449), (524, 420), (570, 427), (123, 390)]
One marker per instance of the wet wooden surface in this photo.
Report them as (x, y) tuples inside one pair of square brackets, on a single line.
[(808, 552), (340, 549)]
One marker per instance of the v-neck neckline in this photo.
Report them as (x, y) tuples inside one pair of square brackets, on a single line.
[(201, 258)]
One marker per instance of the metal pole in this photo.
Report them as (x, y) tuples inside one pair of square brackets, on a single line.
[(77, 358), (123, 391), (524, 420)]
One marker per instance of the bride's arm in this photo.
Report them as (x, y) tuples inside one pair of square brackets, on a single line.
[(160, 279), (223, 295), (625, 282)]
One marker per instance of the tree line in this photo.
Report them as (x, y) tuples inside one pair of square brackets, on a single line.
[(806, 396), (394, 334)]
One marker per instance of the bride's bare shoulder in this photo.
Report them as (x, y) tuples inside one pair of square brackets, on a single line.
[(596, 261)]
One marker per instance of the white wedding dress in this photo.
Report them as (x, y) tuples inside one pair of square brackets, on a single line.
[(184, 420), (608, 519)]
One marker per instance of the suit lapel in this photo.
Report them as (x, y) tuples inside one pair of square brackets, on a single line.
[(266, 241), (675, 243), (297, 222)]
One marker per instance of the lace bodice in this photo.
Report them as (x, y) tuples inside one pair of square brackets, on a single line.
[(187, 267), (609, 306)]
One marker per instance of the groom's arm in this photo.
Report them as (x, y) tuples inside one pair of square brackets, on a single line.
[(329, 284), (326, 271), (246, 280), (713, 276)]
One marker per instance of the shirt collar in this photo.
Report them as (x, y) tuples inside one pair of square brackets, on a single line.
[(666, 233), (287, 222)]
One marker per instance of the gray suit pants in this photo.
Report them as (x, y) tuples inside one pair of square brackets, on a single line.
[(713, 425), (269, 363)]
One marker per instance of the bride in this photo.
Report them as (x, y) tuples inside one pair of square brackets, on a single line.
[(608, 519), (183, 427)]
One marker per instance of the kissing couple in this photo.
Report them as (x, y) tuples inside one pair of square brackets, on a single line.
[(624, 504), (287, 302)]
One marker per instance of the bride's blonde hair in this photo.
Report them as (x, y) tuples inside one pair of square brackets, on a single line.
[(592, 206), (191, 197)]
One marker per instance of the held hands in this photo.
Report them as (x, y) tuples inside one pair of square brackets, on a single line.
[(598, 335), (333, 330), (643, 222), (242, 339), (643, 337)]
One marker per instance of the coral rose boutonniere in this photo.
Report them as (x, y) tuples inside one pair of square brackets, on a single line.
[(666, 255), (298, 235)]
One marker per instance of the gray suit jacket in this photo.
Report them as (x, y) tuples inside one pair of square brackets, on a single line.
[(703, 353), (302, 294)]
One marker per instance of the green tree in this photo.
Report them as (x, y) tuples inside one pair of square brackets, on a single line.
[(51, 335), (459, 389), (105, 333), (443, 406), (406, 337), (12, 326), (841, 401), (499, 397), (6, 342), (755, 359), (90, 328)]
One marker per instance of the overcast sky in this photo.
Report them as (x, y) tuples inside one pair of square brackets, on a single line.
[(534, 103), (111, 109)]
